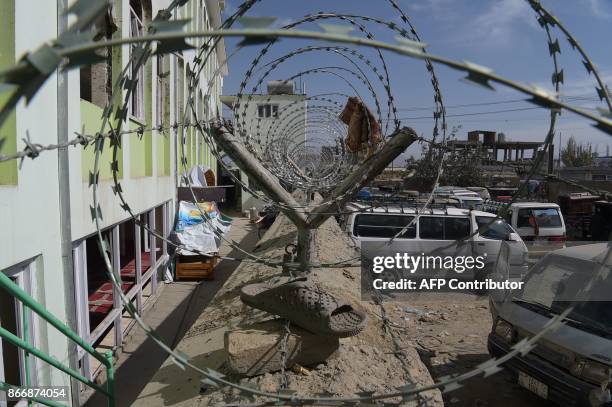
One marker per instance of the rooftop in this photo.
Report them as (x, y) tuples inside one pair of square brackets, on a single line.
[(534, 205)]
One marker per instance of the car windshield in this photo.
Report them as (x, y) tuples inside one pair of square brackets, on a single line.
[(541, 217), (497, 229), (557, 283)]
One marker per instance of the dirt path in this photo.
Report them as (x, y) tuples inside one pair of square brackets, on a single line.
[(450, 331)]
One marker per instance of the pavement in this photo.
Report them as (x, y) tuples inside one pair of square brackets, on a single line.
[(176, 309)]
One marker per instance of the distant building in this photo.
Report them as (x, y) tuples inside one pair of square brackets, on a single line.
[(590, 173), (496, 148), (605, 161), (271, 123)]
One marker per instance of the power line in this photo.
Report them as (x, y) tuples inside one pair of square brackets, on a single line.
[(482, 113), (473, 113), (499, 102)]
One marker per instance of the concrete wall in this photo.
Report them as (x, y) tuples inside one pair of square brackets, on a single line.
[(291, 123), (29, 204)]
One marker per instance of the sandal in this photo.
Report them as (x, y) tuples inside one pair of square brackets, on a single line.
[(301, 302)]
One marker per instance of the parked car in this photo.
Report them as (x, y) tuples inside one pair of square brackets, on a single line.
[(450, 190), (572, 364), (437, 228), (540, 224), (468, 201), (465, 198), (482, 192)]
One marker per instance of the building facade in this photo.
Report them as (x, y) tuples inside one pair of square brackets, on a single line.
[(45, 207), (273, 123)]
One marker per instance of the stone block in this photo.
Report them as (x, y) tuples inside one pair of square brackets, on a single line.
[(255, 350)]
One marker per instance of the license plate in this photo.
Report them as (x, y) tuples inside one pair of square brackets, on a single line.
[(533, 385)]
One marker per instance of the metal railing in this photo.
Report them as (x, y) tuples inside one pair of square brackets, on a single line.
[(31, 304)]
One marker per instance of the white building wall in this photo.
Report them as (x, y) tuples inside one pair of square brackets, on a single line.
[(29, 211), (290, 126)]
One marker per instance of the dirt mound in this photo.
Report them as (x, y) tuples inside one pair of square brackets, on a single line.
[(368, 362)]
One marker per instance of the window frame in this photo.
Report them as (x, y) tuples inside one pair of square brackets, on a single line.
[(22, 275), (270, 110), (533, 213)]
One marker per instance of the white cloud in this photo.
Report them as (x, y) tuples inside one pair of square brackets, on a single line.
[(583, 86), (501, 22), (430, 5), (598, 8), (440, 10)]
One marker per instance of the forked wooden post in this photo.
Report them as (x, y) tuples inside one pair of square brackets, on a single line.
[(308, 223), (267, 181)]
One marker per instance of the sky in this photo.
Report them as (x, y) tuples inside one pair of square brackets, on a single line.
[(500, 34)]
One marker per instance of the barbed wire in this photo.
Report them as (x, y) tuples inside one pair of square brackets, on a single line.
[(37, 66)]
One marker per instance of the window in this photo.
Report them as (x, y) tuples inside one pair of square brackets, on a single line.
[(598, 177), (443, 228), (267, 110), (456, 228), (383, 225), (137, 30), (497, 229), (16, 366), (542, 217), (431, 227)]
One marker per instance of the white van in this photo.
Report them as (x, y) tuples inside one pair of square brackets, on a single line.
[(468, 201), (437, 227), (540, 224), (571, 364)]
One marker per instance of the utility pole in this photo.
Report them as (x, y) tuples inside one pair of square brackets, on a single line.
[(560, 148)]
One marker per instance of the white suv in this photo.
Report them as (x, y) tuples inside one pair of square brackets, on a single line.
[(540, 224), (481, 232)]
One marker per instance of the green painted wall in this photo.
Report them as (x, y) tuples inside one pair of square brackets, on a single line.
[(91, 122), (8, 131), (140, 152), (141, 148), (196, 150)]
